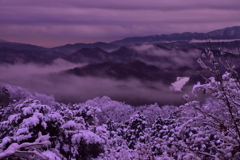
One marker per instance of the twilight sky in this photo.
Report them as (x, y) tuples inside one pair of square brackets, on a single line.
[(57, 22)]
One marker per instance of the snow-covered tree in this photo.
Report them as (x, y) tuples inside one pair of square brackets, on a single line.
[(164, 137), (26, 150), (5, 100), (81, 138), (110, 109), (4, 97), (24, 126), (135, 130), (216, 121)]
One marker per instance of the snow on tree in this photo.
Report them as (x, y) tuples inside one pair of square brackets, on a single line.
[(18, 93), (135, 130), (112, 128), (216, 121), (31, 119), (46, 99), (110, 109), (81, 138), (86, 144), (87, 112), (5, 100), (106, 129), (164, 137), (4, 97), (27, 150), (152, 112)]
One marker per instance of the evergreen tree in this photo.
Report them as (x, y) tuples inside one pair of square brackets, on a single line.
[(163, 135), (135, 130)]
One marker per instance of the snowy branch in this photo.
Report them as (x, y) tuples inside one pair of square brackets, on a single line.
[(15, 149)]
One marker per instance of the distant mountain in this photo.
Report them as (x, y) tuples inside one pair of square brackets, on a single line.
[(124, 54), (122, 71), (14, 55), (94, 55), (163, 54), (226, 33), (118, 51), (25, 53), (14, 45), (186, 36), (70, 48), (3, 41), (88, 55)]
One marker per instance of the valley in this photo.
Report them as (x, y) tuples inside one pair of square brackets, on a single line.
[(136, 70)]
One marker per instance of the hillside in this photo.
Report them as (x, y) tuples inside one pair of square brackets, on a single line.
[(123, 71)]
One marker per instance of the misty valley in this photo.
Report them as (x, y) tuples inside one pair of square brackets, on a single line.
[(137, 71), (136, 75), (162, 97), (125, 74)]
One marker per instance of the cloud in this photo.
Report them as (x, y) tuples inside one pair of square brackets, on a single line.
[(168, 58), (69, 88), (51, 23), (126, 4), (9, 71)]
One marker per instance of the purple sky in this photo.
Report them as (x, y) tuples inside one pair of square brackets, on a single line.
[(56, 22)]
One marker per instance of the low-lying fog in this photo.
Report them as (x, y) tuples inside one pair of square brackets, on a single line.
[(69, 88), (170, 58)]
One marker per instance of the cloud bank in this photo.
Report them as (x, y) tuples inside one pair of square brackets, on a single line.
[(69, 88), (51, 23)]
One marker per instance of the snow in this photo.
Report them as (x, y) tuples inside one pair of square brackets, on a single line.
[(180, 82), (31, 122), (20, 138), (14, 118), (22, 130), (5, 140), (15, 148), (88, 136), (27, 110), (72, 125), (51, 155), (54, 116), (187, 132)]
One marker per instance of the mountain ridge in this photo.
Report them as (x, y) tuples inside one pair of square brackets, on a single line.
[(224, 33), (124, 70)]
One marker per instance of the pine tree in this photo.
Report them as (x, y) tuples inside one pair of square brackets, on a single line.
[(135, 130), (163, 135)]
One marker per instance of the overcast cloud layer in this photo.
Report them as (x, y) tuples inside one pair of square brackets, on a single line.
[(50, 23)]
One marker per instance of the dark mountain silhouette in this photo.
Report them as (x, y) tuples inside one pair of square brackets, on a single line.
[(123, 71), (93, 55), (124, 54), (186, 36), (89, 55), (14, 45), (98, 52), (226, 33), (1, 41), (70, 48), (13, 55)]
